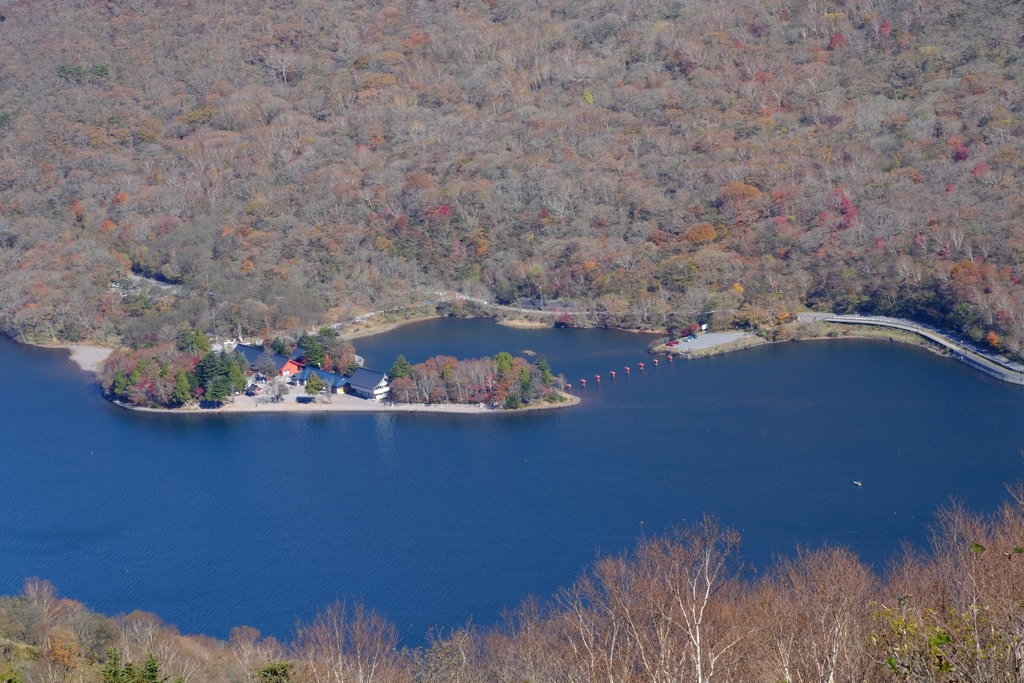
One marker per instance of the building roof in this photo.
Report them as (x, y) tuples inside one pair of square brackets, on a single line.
[(366, 380), (331, 379), (254, 357)]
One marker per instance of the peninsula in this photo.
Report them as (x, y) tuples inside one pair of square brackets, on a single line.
[(319, 371)]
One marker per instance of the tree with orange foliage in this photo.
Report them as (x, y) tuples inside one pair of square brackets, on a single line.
[(701, 233)]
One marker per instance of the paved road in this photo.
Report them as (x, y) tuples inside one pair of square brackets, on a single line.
[(513, 309), (813, 317), (445, 296)]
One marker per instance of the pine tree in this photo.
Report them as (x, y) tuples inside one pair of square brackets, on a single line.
[(194, 341), (150, 671), (400, 368), (275, 672), (313, 351), (112, 671), (545, 369), (236, 376), (314, 385), (121, 383), (218, 391), (182, 388), (504, 362)]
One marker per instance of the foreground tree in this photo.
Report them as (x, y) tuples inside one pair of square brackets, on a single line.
[(815, 617), (314, 385), (184, 392), (278, 389), (116, 671), (400, 369), (343, 644), (677, 608), (221, 375)]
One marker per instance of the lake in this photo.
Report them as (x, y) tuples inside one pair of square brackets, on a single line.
[(215, 521)]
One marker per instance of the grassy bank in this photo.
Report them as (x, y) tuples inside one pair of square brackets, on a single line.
[(807, 331)]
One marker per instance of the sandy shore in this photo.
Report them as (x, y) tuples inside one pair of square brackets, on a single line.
[(88, 358), (368, 329), (343, 403)]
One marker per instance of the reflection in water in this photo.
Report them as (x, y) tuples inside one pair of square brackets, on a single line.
[(385, 447)]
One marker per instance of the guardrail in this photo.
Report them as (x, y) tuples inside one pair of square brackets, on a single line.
[(990, 366)]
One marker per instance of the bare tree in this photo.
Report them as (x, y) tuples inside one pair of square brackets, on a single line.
[(342, 646)]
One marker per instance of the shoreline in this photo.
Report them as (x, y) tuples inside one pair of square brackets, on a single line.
[(87, 357), (820, 329), (361, 332), (749, 340), (344, 403)]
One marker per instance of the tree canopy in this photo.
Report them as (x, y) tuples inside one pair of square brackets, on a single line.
[(503, 381), (314, 385), (638, 163)]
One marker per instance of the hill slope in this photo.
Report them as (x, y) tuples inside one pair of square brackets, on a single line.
[(287, 163)]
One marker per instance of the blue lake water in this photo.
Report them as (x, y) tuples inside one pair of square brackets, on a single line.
[(216, 521)]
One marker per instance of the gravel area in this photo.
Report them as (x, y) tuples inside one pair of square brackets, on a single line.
[(710, 340)]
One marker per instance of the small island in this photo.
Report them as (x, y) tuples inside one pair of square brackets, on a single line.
[(320, 372)]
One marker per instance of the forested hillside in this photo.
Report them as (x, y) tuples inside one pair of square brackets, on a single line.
[(290, 163), (679, 608)]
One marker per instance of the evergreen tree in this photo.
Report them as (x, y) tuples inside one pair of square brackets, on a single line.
[(218, 391), (220, 375), (280, 346), (150, 671), (504, 362), (314, 385), (275, 672), (313, 351), (121, 383), (525, 383), (194, 342), (236, 376), (209, 369), (400, 368), (113, 671), (545, 371), (182, 388)]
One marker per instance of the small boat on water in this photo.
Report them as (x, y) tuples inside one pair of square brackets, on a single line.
[(857, 482)]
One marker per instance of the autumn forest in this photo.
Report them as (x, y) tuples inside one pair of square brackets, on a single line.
[(267, 167), (261, 165)]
